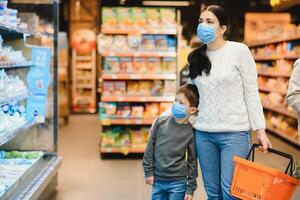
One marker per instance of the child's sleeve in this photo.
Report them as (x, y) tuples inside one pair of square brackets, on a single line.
[(148, 160), (192, 168)]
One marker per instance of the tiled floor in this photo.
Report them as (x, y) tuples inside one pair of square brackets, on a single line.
[(84, 176)]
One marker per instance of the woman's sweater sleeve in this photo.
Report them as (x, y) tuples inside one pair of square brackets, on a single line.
[(247, 68), (293, 96)]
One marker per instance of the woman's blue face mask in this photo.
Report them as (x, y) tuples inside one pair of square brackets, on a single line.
[(206, 33)]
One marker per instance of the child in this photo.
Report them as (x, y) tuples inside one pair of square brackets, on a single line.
[(172, 176)]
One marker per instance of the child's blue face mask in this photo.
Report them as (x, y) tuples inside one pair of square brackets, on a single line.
[(179, 111), (206, 33)]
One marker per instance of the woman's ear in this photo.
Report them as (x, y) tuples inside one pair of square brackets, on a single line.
[(193, 110), (224, 29)]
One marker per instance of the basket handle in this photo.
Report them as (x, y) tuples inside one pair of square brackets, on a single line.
[(288, 156)]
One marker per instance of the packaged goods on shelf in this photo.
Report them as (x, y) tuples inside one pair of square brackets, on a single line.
[(170, 88), (147, 18), (283, 124), (118, 137), (9, 56), (283, 67), (124, 110), (277, 50), (138, 65), (132, 110), (13, 165), (134, 43), (109, 17), (11, 85), (139, 19), (124, 17), (168, 17), (153, 17), (152, 110), (9, 19), (119, 88), (154, 65), (126, 65), (169, 65), (141, 88), (11, 115)]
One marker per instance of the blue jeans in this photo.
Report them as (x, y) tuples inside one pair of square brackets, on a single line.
[(169, 190), (215, 152)]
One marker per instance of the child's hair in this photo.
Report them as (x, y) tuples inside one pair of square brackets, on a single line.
[(191, 93)]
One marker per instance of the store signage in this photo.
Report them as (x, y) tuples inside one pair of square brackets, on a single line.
[(38, 82)]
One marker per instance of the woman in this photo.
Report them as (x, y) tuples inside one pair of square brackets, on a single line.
[(226, 77), (293, 97)]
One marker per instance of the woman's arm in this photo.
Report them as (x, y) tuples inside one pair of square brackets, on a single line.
[(293, 96), (247, 68)]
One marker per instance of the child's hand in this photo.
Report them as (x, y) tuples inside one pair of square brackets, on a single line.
[(150, 180), (188, 197)]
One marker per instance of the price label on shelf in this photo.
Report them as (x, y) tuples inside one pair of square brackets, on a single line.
[(143, 99), (139, 121)]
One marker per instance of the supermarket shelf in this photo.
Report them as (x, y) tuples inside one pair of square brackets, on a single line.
[(278, 40), (139, 76), (7, 65), (270, 58), (10, 34), (15, 97), (84, 58), (9, 135), (35, 180), (136, 31), (123, 150), (139, 54), (76, 109), (280, 110), (274, 74), (127, 121), (282, 135), (137, 99), (33, 1), (265, 89), (84, 86)]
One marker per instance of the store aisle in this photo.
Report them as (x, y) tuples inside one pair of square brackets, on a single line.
[(84, 176)]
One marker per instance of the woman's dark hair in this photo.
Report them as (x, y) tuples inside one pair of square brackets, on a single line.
[(199, 63)]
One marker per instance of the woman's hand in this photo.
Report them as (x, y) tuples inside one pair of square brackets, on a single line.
[(263, 140), (188, 197)]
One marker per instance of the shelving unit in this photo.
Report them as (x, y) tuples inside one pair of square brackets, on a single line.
[(63, 77), (281, 110), (8, 65), (83, 63), (136, 99), (38, 181), (138, 77), (125, 78), (273, 41)]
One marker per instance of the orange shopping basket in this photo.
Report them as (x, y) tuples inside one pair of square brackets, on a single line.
[(252, 181)]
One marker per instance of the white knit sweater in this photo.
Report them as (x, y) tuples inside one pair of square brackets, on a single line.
[(229, 98)]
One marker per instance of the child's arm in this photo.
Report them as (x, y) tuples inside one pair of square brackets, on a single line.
[(148, 160), (192, 168)]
